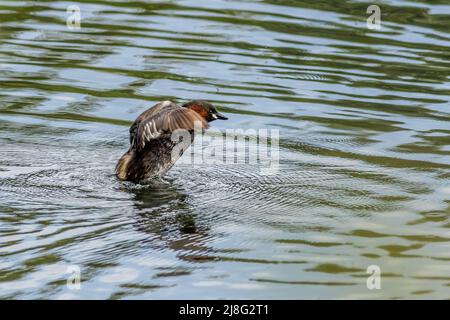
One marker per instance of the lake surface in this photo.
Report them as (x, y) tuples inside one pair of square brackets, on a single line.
[(364, 151)]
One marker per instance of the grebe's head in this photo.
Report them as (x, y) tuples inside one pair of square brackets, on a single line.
[(205, 109)]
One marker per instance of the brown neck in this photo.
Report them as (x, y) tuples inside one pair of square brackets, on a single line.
[(200, 110)]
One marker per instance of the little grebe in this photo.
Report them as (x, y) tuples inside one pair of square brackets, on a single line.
[(150, 153)]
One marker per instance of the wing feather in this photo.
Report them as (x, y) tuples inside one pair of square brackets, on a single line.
[(163, 118), (146, 115)]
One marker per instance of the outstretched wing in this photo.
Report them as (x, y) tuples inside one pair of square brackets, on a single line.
[(146, 115), (165, 117)]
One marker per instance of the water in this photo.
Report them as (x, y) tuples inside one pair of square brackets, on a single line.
[(364, 170)]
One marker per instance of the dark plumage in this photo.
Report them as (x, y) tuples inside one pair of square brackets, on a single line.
[(152, 138)]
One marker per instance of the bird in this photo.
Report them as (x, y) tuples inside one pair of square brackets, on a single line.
[(155, 139)]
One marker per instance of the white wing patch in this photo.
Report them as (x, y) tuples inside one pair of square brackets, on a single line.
[(150, 132), (166, 103)]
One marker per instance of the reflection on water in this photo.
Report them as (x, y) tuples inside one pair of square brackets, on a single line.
[(164, 214), (363, 117)]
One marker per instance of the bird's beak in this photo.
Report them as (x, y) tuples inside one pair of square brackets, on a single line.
[(220, 116)]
